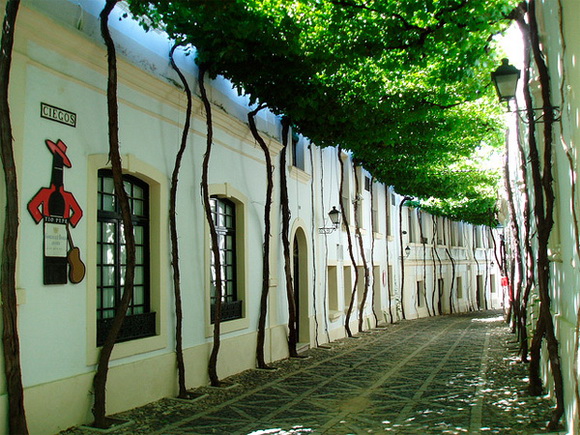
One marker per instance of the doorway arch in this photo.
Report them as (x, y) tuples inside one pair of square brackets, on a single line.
[(301, 284)]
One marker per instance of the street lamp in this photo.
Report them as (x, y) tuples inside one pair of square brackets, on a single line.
[(334, 216), (505, 78)]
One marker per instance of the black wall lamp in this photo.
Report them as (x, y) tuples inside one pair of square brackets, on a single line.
[(334, 216), (505, 79)]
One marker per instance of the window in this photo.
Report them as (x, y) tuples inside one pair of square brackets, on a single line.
[(112, 256), (346, 195), (376, 223), (459, 288), (332, 288), (453, 233), (422, 227), (411, 225), (367, 183), (347, 285), (460, 234), (389, 203), (440, 230), (420, 295), (297, 151), (390, 282), (478, 237), (224, 219)]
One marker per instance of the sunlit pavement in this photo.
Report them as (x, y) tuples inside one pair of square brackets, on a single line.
[(448, 374)]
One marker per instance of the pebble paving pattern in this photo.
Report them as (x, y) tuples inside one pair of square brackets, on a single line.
[(440, 375)]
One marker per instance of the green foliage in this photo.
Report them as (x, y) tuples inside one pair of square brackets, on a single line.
[(402, 84)]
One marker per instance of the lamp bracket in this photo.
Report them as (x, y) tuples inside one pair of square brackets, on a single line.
[(538, 114), (326, 230)]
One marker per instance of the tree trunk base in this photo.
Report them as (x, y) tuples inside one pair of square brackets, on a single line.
[(109, 424)]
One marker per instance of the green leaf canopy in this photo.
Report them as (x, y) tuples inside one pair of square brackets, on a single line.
[(404, 85)]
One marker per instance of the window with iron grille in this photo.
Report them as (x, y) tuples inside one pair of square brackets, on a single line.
[(112, 259), (224, 218)]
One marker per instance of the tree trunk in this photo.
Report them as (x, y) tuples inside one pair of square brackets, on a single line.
[(182, 393), (389, 289), (433, 253), (362, 252), (402, 250), (267, 235), (100, 379), (215, 250), (516, 237), (439, 288), (543, 199), (350, 248), (372, 231), (10, 340), (313, 229), (448, 252), (324, 301), (424, 243), (530, 269), (292, 336)]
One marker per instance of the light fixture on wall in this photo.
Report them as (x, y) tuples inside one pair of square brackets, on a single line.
[(505, 79), (407, 251), (334, 216)]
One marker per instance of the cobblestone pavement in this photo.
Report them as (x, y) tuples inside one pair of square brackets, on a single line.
[(448, 374)]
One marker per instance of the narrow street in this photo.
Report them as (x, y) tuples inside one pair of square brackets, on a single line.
[(449, 374)]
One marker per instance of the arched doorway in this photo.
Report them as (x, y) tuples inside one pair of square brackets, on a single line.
[(300, 281)]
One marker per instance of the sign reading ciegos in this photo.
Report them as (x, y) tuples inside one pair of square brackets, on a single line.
[(58, 115)]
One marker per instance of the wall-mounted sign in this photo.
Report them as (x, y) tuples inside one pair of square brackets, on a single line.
[(57, 114), (58, 208)]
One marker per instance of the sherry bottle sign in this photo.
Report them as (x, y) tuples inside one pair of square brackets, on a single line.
[(58, 209)]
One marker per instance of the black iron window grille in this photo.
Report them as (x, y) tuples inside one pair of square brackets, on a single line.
[(112, 258), (224, 217)]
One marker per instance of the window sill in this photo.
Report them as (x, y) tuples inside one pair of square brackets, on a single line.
[(228, 326), (130, 348), (334, 315), (299, 174)]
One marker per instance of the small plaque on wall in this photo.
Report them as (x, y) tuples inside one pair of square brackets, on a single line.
[(58, 115)]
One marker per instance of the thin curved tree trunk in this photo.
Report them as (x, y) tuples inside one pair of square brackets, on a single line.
[(424, 243), (182, 389), (324, 302), (313, 229), (267, 235), (350, 248), (292, 336), (401, 204), (100, 379), (543, 199), (362, 253), (516, 237), (435, 280), (372, 231), (530, 269), (212, 363), (389, 289), (448, 252), (485, 282), (10, 340)]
